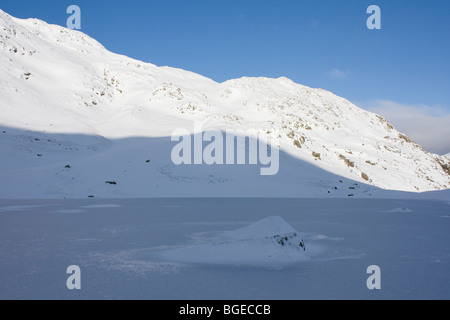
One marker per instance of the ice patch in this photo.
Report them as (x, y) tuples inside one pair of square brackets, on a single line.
[(268, 243), (71, 211), (101, 206), (400, 210), (88, 240), (18, 208), (125, 261)]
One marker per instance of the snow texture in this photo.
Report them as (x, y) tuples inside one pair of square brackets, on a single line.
[(75, 116)]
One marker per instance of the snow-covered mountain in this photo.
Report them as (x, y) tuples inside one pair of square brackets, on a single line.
[(74, 115)]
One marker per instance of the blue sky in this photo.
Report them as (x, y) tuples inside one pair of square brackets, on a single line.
[(320, 43)]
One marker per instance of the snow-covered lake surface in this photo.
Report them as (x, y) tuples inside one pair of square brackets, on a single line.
[(225, 248)]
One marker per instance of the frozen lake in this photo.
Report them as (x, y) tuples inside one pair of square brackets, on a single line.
[(175, 248)]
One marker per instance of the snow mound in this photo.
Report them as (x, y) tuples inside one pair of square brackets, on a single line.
[(268, 227), (271, 242)]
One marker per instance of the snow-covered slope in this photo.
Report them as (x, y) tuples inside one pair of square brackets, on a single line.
[(74, 115)]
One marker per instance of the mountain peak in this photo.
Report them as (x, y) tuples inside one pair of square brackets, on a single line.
[(28, 35)]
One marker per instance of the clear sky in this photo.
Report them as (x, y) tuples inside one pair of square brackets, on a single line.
[(402, 68)]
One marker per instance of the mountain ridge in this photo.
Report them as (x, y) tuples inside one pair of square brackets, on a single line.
[(82, 88)]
